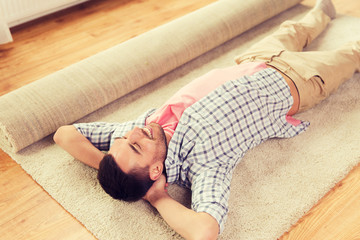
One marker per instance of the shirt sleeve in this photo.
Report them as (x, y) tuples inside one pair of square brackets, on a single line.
[(98, 133), (210, 194), (102, 134)]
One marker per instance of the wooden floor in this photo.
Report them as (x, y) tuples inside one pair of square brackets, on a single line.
[(54, 42)]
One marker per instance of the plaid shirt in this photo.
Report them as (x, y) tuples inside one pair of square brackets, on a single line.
[(214, 134)]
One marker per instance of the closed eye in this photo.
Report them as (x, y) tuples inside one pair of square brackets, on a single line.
[(133, 147)]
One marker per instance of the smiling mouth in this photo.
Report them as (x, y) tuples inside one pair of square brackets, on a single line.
[(148, 131)]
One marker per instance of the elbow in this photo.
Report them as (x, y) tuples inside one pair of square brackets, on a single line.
[(57, 135), (62, 134), (207, 233), (207, 230)]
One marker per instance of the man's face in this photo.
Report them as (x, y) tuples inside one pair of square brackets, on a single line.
[(140, 147)]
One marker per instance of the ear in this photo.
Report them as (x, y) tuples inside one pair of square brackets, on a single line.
[(155, 170)]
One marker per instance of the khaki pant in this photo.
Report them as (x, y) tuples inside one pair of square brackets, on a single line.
[(316, 74)]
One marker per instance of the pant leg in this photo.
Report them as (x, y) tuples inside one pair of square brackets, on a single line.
[(291, 36), (317, 74)]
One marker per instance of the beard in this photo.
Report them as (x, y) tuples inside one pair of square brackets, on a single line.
[(160, 137)]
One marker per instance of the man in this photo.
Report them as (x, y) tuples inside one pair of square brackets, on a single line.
[(200, 134)]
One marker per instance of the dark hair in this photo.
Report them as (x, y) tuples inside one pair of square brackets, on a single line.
[(129, 187)]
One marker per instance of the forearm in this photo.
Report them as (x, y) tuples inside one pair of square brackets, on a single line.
[(186, 222), (85, 152), (68, 138)]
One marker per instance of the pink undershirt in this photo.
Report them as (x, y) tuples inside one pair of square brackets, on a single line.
[(168, 115)]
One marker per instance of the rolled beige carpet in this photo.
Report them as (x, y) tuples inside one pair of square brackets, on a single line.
[(38, 109)]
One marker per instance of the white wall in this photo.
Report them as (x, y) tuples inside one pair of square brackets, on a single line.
[(15, 12)]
